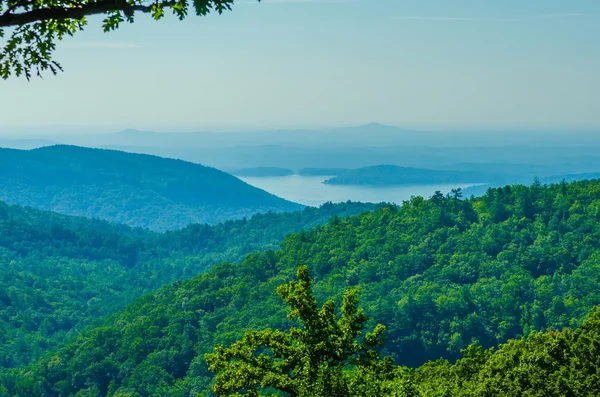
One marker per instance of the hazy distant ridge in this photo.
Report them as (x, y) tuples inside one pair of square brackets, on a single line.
[(135, 189)]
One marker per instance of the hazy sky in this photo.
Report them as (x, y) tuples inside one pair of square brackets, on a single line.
[(286, 63)]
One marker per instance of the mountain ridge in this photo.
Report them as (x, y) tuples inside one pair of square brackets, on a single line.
[(60, 273), (136, 189)]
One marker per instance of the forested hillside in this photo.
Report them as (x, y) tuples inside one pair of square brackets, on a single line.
[(439, 274), (59, 273), (134, 189)]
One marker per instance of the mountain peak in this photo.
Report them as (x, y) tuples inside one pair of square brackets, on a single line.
[(375, 125)]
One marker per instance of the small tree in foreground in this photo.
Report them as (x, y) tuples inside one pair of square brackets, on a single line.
[(312, 360)]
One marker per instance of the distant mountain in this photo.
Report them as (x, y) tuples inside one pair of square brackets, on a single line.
[(555, 152), (297, 158), (389, 175), (134, 189), (25, 143), (371, 135), (263, 172)]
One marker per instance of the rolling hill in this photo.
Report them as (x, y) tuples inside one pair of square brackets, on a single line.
[(134, 189), (439, 274), (60, 274)]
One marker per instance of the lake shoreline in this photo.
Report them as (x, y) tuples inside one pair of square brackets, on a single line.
[(311, 191)]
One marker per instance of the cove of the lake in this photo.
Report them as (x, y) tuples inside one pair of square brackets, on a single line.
[(310, 190)]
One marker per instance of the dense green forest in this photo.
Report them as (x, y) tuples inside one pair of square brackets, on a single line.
[(134, 189), (59, 274), (479, 190), (389, 175), (439, 274), (327, 353)]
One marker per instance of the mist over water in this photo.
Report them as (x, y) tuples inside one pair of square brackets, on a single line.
[(311, 191)]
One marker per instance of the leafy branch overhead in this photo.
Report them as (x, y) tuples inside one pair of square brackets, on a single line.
[(34, 26)]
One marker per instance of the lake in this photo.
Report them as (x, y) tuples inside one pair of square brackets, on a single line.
[(310, 190)]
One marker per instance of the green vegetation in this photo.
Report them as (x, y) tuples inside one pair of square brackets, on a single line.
[(37, 27), (551, 363), (439, 274), (326, 359), (304, 361), (389, 175), (59, 274), (479, 190), (263, 172), (134, 189)]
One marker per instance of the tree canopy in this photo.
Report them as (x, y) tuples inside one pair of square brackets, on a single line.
[(303, 361), (440, 274), (59, 274), (36, 25)]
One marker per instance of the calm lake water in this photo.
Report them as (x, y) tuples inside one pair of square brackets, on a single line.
[(310, 190)]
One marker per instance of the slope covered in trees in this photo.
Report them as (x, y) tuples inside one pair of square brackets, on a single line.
[(324, 356), (552, 363), (439, 274), (134, 189), (59, 273)]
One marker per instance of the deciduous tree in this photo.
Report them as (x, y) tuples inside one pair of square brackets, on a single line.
[(36, 25), (311, 360)]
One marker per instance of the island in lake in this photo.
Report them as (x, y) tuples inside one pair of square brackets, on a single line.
[(390, 175)]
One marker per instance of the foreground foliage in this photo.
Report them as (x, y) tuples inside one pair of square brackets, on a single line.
[(303, 361), (38, 26), (324, 359)]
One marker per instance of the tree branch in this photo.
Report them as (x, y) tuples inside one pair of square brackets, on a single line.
[(61, 13), (15, 6)]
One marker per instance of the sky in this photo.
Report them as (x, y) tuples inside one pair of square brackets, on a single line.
[(314, 63)]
